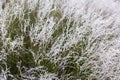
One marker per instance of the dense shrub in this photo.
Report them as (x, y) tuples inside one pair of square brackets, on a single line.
[(59, 40)]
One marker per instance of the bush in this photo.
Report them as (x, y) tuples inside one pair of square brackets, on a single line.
[(55, 40)]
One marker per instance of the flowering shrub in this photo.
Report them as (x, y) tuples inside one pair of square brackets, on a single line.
[(59, 40)]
